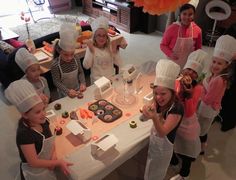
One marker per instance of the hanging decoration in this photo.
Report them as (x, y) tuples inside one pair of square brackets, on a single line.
[(158, 7)]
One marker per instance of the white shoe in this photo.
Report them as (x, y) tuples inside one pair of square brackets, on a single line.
[(178, 177)]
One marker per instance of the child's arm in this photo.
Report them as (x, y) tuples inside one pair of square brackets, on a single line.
[(190, 104), (88, 59), (168, 35), (216, 88), (31, 157), (170, 123)]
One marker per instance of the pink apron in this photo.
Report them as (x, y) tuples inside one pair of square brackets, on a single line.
[(206, 113), (187, 141), (183, 47)]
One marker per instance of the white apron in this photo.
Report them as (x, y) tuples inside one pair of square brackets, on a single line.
[(70, 79), (159, 155), (187, 141), (103, 65), (183, 47), (206, 113), (31, 173), (40, 90)]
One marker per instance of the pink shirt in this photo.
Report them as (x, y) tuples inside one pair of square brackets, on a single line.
[(190, 105), (215, 92), (171, 34)]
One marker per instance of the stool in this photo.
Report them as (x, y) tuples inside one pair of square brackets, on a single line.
[(217, 10)]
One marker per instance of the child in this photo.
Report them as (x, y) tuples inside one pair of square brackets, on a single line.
[(182, 37), (29, 64), (99, 56), (34, 139), (67, 72), (166, 113), (215, 85), (187, 143)]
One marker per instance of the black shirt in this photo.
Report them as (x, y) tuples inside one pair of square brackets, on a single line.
[(176, 108), (26, 135)]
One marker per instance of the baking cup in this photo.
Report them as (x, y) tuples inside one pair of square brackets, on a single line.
[(132, 124)]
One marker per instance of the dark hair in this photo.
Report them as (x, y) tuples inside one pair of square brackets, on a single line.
[(187, 6), (174, 99), (229, 74)]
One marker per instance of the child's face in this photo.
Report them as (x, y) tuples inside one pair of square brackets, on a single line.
[(67, 56), (190, 72), (36, 115), (186, 16), (33, 72), (101, 37), (218, 65), (162, 95)]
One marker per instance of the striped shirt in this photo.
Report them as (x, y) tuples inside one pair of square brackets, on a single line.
[(66, 68)]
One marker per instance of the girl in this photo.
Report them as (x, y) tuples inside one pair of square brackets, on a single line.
[(215, 85), (182, 37), (99, 56), (166, 113), (29, 64), (187, 143), (67, 72), (34, 139)]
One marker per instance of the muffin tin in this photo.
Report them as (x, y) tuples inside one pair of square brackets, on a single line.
[(105, 111)]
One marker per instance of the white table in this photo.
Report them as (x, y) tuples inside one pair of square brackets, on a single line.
[(130, 142)]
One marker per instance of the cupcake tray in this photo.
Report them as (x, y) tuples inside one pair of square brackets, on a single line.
[(105, 111)]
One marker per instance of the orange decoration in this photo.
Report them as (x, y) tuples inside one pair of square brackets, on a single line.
[(48, 47), (112, 32), (85, 114), (127, 114), (94, 138), (158, 7)]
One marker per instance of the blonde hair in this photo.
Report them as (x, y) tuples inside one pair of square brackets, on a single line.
[(95, 35)]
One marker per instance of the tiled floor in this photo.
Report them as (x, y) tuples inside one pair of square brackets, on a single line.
[(217, 164)]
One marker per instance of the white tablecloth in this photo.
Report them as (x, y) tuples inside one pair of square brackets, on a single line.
[(130, 142)]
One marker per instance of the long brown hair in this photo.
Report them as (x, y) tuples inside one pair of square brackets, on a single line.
[(174, 99)]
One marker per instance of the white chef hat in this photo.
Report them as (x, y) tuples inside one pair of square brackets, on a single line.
[(166, 73), (68, 36), (22, 94), (196, 61), (25, 59), (225, 48), (100, 22), (194, 3)]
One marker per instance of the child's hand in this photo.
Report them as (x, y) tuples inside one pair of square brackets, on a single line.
[(54, 157), (186, 81), (64, 166), (72, 93), (90, 45), (82, 88), (149, 111)]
